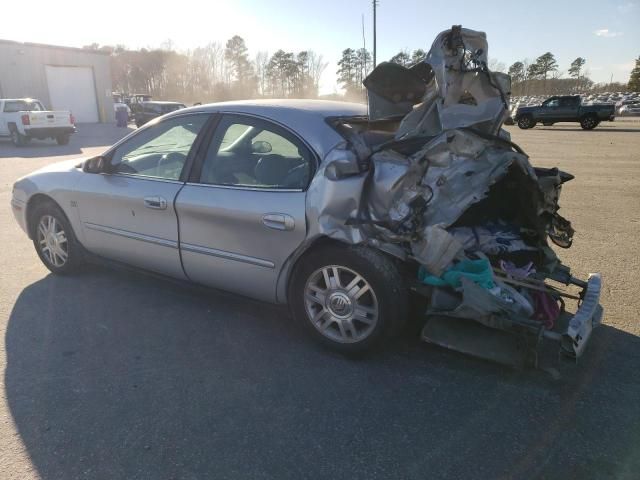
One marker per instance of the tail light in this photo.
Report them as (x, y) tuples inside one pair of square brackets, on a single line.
[(72, 119), (25, 119)]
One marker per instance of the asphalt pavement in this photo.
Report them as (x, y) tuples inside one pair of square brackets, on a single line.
[(112, 374)]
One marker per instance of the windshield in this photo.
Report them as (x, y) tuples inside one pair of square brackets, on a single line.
[(23, 106)]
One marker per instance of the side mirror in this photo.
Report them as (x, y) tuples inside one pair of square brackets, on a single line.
[(261, 146), (95, 165)]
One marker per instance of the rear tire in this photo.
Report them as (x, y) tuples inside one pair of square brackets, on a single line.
[(62, 139), (589, 122), (348, 297), (18, 139), (526, 121), (54, 240)]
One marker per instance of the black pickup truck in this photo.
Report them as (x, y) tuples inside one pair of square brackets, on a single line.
[(564, 109)]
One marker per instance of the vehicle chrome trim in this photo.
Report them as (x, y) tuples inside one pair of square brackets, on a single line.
[(187, 247), (132, 235), (239, 187), (145, 177)]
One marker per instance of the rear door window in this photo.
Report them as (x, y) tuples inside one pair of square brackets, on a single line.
[(247, 152)]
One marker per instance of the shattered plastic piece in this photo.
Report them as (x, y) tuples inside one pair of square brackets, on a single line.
[(436, 250)]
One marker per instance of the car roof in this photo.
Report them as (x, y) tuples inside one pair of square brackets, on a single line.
[(323, 108), (161, 102), (306, 118)]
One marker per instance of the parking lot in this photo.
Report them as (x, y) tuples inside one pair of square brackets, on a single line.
[(113, 374)]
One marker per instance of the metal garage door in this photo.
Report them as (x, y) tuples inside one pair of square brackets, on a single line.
[(72, 88)]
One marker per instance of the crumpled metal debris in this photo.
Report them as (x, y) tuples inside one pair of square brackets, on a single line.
[(441, 164)]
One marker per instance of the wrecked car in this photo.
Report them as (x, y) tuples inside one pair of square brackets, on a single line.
[(347, 213)]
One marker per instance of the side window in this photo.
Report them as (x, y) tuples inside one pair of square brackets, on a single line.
[(256, 154), (552, 103), (12, 107), (160, 151), (569, 102)]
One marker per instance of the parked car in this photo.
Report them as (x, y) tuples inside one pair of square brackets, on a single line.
[(135, 101), (630, 109), (147, 111), (23, 119), (564, 109), (260, 198)]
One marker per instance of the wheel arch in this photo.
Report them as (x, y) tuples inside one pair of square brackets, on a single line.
[(286, 273), (33, 202)]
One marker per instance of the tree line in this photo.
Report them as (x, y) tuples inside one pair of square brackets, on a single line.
[(215, 72), (218, 72)]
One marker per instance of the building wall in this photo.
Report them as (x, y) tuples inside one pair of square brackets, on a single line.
[(22, 72)]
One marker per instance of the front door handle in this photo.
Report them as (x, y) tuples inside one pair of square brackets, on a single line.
[(279, 221), (157, 202)]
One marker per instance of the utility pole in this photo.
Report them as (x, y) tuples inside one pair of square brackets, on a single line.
[(375, 4)]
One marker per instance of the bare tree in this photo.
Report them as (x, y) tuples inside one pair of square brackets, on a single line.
[(317, 66), (260, 65), (496, 66)]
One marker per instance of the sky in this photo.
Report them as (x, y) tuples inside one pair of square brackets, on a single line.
[(605, 32)]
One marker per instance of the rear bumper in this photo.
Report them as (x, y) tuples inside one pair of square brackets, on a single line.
[(513, 339), (44, 132)]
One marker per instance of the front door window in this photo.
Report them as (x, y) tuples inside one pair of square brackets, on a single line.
[(160, 151)]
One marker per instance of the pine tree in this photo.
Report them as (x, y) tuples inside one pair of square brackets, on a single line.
[(634, 78)]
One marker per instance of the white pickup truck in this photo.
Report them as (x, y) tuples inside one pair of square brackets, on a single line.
[(25, 118)]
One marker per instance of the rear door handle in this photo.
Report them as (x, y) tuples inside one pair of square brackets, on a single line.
[(155, 202), (278, 221)]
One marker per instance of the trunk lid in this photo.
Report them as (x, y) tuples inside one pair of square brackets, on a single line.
[(58, 118)]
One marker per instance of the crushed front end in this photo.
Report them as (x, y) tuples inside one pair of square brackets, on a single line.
[(431, 178)]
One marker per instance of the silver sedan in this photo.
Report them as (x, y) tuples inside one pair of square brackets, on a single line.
[(219, 195)]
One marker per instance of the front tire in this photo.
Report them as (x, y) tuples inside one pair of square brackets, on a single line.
[(525, 122), (348, 298), (589, 122), (62, 139), (54, 240)]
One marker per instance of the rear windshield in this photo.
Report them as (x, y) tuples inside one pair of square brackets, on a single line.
[(22, 106)]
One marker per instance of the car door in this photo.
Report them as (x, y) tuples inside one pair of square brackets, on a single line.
[(3, 120), (568, 109), (128, 215), (242, 213), (549, 110)]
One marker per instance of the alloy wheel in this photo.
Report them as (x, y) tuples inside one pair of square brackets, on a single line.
[(341, 304), (52, 241)]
